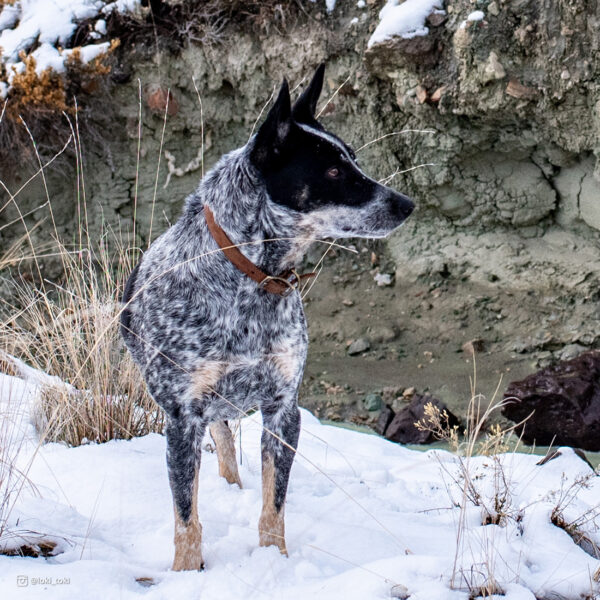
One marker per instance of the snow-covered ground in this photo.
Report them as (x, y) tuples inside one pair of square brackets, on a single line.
[(362, 516)]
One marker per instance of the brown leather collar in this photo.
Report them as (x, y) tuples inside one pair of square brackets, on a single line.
[(283, 284)]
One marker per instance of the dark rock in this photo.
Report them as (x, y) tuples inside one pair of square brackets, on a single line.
[(435, 19), (385, 418), (402, 427), (565, 402)]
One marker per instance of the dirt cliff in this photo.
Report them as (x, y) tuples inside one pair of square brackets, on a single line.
[(504, 111)]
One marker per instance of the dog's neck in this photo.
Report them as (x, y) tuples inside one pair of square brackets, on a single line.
[(267, 233)]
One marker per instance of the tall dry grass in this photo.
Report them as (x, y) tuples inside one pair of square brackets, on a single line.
[(70, 330)]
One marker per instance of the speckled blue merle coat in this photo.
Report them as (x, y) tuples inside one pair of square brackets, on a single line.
[(209, 342)]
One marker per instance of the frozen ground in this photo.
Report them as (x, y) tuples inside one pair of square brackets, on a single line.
[(362, 515)]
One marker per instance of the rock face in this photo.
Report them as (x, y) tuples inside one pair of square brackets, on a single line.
[(564, 400), (400, 427), (504, 113)]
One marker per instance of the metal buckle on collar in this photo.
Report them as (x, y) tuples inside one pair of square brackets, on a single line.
[(292, 281)]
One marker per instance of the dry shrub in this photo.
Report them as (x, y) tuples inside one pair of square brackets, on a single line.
[(576, 528), (173, 24), (30, 92), (40, 103), (71, 331)]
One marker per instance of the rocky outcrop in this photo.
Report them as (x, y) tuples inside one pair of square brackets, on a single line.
[(401, 426), (503, 111), (561, 404)]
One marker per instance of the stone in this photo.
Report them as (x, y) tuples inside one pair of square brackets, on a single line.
[(408, 392), (383, 279), (493, 9), (437, 94), (565, 402), (399, 591), (473, 347), (571, 351), (385, 418), (372, 402), (160, 100), (359, 346), (518, 90), (493, 69), (402, 427), (435, 19)]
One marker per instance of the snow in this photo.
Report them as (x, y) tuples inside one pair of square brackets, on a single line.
[(476, 15), (46, 26), (362, 515), (406, 20)]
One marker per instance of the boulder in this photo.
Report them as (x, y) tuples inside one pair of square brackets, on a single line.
[(565, 402), (402, 427), (385, 417)]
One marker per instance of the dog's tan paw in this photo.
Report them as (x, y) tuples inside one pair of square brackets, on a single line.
[(269, 539), (187, 562)]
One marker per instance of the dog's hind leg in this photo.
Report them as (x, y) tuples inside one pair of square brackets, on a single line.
[(223, 439), (183, 461), (279, 442)]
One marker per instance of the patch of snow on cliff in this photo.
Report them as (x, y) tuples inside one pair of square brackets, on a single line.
[(406, 20), (48, 26)]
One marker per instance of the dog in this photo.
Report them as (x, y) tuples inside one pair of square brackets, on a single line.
[(212, 313)]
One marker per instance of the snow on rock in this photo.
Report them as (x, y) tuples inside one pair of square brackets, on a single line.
[(405, 20), (48, 25), (476, 15), (363, 515)]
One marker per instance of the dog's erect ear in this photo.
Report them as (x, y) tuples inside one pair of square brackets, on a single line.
[(306, 105), (275, 129)]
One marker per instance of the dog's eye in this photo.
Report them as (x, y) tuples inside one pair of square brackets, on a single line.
[(333, 172)]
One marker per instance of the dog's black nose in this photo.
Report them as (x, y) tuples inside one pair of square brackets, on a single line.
[(402, 206)]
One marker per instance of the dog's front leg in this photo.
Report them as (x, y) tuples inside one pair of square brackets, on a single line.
[(183, 462), (281, 422)]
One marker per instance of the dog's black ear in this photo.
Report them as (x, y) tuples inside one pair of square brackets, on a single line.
[(306, 105), (273, 132)]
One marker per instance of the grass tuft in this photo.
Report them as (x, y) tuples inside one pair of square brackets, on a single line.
[(70, 331)]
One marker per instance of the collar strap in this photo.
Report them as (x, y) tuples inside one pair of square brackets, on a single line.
[(283, 284)]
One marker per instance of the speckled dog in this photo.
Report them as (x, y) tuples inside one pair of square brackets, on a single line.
[(217, 331)]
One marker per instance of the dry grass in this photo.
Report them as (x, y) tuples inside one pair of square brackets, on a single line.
[(71, 331), (476, 439), (576, 527), (467, 488)]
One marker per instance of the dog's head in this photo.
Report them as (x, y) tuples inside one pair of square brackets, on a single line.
[(312, 172)]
